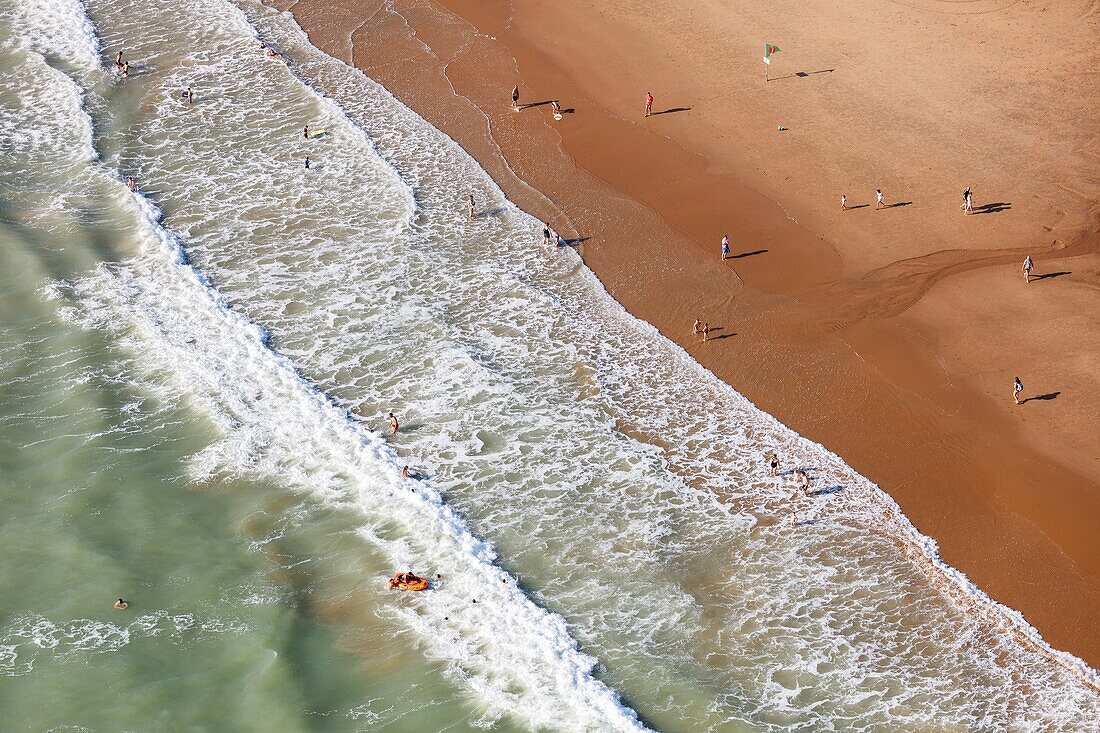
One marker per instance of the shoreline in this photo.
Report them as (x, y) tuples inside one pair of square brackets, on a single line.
[(787, 351)]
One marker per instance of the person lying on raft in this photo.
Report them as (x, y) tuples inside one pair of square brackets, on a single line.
[(400, 579)]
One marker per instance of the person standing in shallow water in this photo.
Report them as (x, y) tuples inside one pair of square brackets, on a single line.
[(515, 97), (394, 425), (470, 205), (546, 233)]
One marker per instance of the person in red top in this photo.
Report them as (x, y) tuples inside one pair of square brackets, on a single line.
[(648, 104)]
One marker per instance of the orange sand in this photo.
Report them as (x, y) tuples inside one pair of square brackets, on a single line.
[(890, 336)]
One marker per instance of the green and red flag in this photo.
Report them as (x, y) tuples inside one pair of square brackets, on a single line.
[(770, 49)]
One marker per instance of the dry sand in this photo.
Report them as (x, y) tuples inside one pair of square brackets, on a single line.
[(890, 336)]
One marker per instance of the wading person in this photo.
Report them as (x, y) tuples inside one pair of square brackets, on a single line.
[(394, 425), (515, 97)]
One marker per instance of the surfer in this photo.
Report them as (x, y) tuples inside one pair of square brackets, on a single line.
[(394, 425), (557, 109), (120, 604)]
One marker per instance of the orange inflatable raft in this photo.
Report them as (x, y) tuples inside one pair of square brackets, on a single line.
[(413, 583)]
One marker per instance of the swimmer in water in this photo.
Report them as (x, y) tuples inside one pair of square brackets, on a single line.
[(121, 605), (405, 472), (305, 132), (118, 59)]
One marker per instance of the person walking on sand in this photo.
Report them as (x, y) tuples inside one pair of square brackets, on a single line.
[(725, 246), (556, 108), (515, 98), (706, 332), (697, 327), (470, 205), (843, 202), (1017, 388), (880, 199), (393, 424), (648, 104), (968, 201), (1028, 264)]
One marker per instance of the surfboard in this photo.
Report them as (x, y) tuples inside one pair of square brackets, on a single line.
[(318, 133), (557, 115)]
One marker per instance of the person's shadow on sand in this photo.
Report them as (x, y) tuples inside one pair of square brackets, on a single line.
[(1045, 397), (670, 110)]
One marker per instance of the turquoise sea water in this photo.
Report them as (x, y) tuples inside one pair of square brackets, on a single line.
[(196, 379)]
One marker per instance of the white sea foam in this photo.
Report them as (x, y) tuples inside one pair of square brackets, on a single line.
[(619, 478)]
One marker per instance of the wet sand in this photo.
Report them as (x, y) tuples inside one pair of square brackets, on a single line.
[(890, 336)]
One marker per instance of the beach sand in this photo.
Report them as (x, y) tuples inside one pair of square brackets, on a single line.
[(892, 336)]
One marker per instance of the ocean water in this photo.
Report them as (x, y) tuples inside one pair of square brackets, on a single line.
[(196, 379)]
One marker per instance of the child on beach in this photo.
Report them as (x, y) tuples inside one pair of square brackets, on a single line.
[(880, 199), (725, 246), (1017, 388), (648, 104), (1028, 264)]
